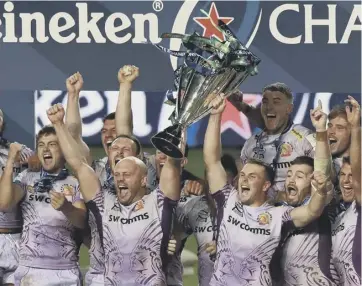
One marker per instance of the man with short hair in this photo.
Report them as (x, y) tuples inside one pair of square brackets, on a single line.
[(339, 133), (281, 141), (346, 227), (346, 184), (52, 210), (244, 212), (134, 225), (10, 222)]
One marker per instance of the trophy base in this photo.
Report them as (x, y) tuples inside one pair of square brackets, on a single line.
[(167, 147)]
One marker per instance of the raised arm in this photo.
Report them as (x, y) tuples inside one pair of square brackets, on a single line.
[(305, 214), (88, 180), (170, 181), (215, 172), (10, 194), (253, 113), (354, 118), (73, 120), (322, 156), (124, 120)]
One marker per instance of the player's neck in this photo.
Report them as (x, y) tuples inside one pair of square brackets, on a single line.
[(278, 130)]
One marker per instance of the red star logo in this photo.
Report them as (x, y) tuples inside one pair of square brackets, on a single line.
[(237, 121), (207, 23)]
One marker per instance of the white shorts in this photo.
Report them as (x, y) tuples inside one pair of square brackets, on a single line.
[(28, 276), (9, 257)]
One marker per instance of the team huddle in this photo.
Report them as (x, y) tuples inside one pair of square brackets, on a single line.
[(289, 215)]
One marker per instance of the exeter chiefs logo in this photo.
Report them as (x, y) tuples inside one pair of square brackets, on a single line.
[(68, 190), (264, 218), (286, 149)]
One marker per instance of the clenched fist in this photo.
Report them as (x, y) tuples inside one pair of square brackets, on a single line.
[(74, 84), (319, 182), (127, 74), (56, 113), (57, 200), (14, 151)]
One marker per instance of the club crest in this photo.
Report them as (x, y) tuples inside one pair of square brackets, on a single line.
[(264, 218)]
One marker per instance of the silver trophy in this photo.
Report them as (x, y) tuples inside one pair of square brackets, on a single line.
[(209, 67)]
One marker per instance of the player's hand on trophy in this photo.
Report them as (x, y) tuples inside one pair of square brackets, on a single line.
[(319, 118), (56, 113), (320, 182), (210, 247), (353, 111), (14, 151), (171, 247), (57, 200), (217, 103), (236, 99), (127, 74), (74, 84), (193, 188)]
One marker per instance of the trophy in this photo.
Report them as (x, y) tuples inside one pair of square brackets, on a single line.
[(209, 67)]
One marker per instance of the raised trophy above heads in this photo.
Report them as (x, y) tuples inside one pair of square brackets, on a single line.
[(209, 67)]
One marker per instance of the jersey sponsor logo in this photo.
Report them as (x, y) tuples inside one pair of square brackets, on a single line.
[(201, 229), (338, 229), (286, 149), (39, 198), (264, 218), (113, 218), (297, 134), (244, 226)]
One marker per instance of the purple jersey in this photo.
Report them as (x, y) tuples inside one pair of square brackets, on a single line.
[(343, 233), (48, 240), (12, 219), (248, 237), (193, 213), (132, 236), (283, 148), (306, 254)]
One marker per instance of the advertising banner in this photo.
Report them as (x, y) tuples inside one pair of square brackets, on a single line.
[(309, 45)]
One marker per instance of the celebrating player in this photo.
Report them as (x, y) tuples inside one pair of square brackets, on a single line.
[(135, 225), (346, 229), (10, 221), (281, 141), (52, 209), (244, 213)]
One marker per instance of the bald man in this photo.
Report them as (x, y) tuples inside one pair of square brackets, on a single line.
[(134, 224)]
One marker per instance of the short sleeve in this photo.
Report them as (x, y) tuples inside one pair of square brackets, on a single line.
[(223, 195), (308, 145), (152, 180), (21, 180), (285, 214), (78, 195), (244, 156)]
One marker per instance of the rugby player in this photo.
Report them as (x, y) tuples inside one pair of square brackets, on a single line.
[(281, 141), (135, 225), (346, 184), (10, 221), (249, 228), (346, 228), (52, 210)]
